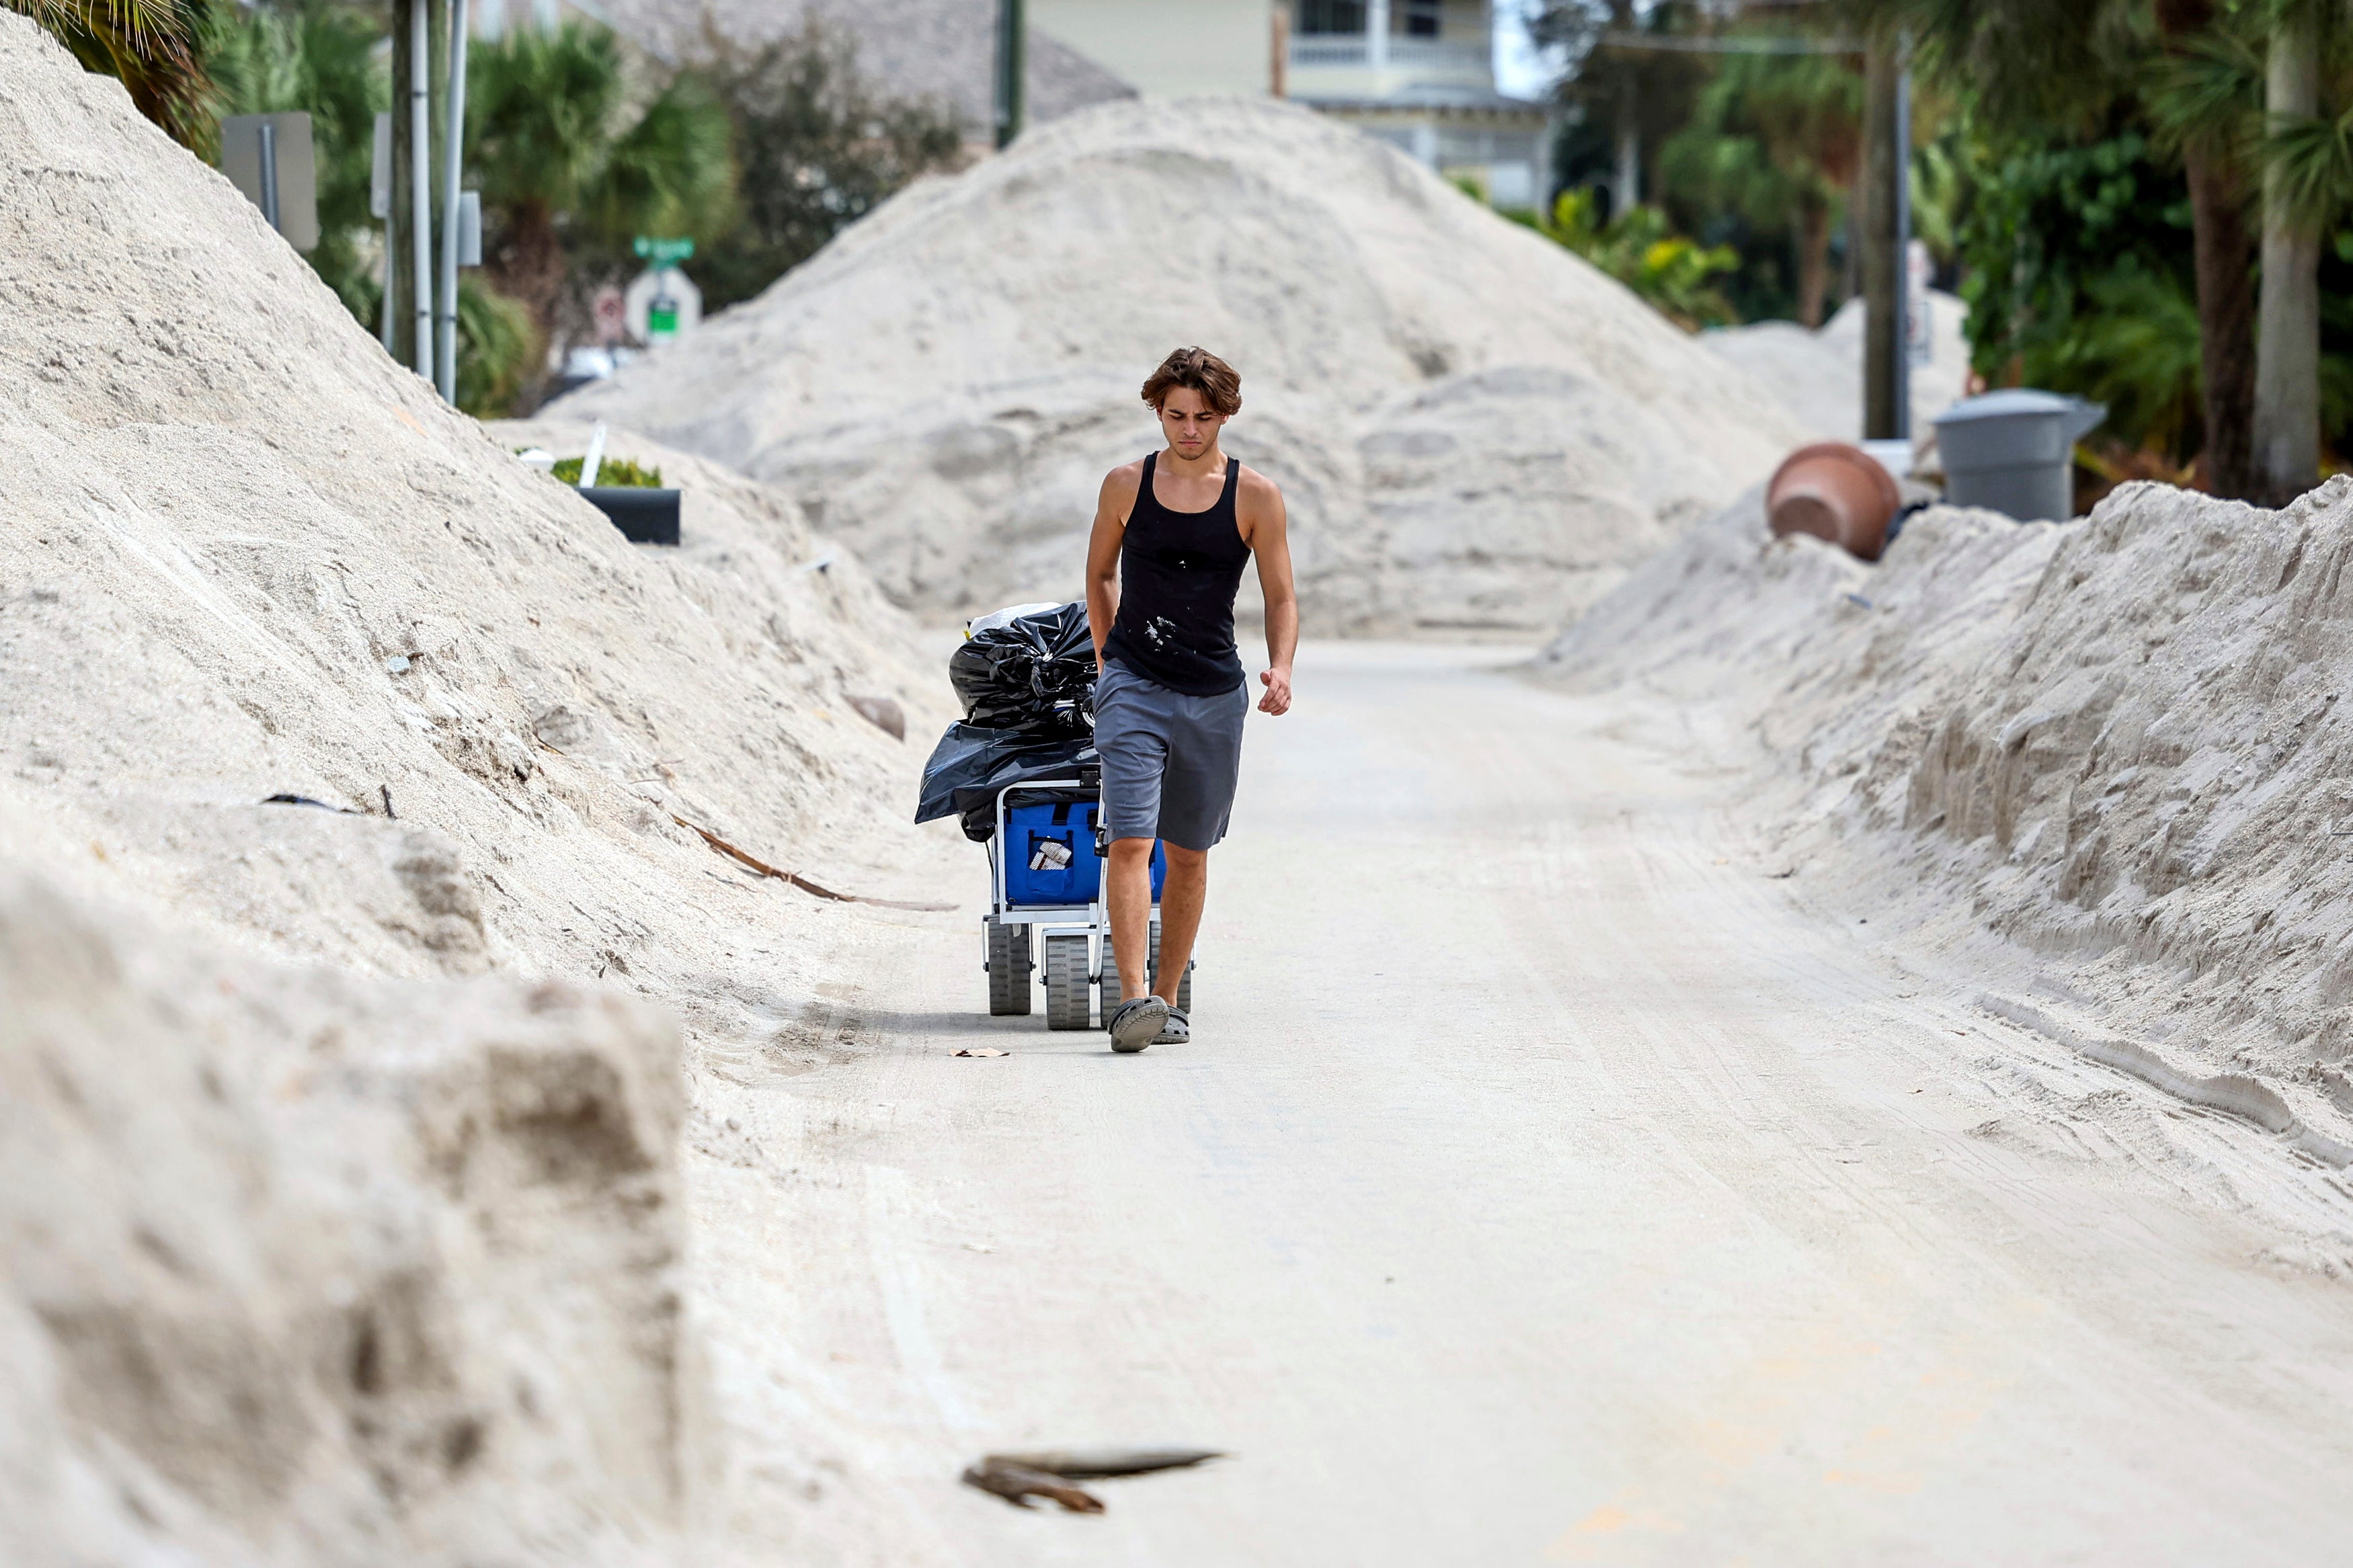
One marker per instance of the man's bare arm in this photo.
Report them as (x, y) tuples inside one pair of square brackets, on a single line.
[(1269, 541), (1113, 505)]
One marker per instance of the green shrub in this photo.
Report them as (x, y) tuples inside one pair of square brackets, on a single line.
[(498, 347), (1638, 248), (617, 473)]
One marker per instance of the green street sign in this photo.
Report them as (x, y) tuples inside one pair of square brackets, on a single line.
[(663, 252)]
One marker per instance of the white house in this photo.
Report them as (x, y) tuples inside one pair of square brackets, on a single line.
[(1421, 74), (1418, 74), (1166, 49)]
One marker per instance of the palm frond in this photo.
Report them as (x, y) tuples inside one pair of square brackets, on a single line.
[(540, 112), (2056, 61), (54, 17), (497, 342), (2134, 347), (2309, 161), (150, 46), (671, 172), (145, 24), (2209, 95)]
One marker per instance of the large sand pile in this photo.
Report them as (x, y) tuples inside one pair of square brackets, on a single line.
[(1818, 375), (309, 1269), (2102, 764), (318, 1249), (1473, 428)]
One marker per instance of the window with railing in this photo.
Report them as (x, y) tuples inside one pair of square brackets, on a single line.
[(1330, 35), (1325, 17), (1347, 18)]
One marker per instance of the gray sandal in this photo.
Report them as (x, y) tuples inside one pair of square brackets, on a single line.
[(1176, 1031), (1135, 1023)]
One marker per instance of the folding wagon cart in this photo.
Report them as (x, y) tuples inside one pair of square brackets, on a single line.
[(1019, 771), (1044, 868)]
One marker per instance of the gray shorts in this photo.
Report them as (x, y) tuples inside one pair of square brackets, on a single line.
[(1169, 760)]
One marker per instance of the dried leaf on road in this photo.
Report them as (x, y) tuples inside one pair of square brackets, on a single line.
[(1094, 1464), (1018, 1477), (1017, 1486)]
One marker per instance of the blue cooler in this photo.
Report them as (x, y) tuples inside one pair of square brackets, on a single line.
[(1050, 855)]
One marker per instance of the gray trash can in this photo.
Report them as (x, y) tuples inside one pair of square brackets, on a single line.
[(2013, 451)]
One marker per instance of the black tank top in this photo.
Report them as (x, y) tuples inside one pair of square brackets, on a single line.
[(1178, 574)]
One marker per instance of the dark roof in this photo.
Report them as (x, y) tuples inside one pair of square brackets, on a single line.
[(940, 49)]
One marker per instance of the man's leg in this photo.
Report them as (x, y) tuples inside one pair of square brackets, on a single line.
[(1181, 896), (1130, 895)]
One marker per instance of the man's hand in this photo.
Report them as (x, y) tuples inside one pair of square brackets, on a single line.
[(1278, 691)]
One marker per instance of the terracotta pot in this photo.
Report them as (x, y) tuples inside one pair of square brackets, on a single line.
[(1837, 492)]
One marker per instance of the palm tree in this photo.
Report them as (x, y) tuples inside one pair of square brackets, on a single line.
[(2032, 60), (2296, 195), (2213, 164), (151, 45), (561, 154), (541, 109), (2256, 91), (1779, 137)]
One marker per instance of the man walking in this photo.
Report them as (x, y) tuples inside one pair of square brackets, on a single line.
[(1172, 534)]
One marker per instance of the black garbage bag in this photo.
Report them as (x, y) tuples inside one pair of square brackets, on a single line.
[(1033, 672), (971, 763)]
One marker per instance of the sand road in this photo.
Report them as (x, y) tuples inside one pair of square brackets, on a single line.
[(1547, 1183)]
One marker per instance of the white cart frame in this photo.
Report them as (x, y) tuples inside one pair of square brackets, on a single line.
[(1090, 921)]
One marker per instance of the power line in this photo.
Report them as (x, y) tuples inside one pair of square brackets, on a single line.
[(1667, 43)]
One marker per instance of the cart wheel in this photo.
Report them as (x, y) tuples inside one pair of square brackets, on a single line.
[(1069, 987), (1008, 969)]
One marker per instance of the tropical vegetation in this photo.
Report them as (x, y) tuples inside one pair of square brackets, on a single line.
[(155, 47), (2146, 202), (612, 473), (578, 143), (1636, 247)]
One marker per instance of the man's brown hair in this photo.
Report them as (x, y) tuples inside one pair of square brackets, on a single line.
[(1202, 370)]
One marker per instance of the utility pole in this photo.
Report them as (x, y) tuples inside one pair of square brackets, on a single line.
[(380, 207), (1886, 380), (1012, 69), (1626, 192), (399, 257), (1626, 188), (420, 181), (453, 144), (1900, 358)]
